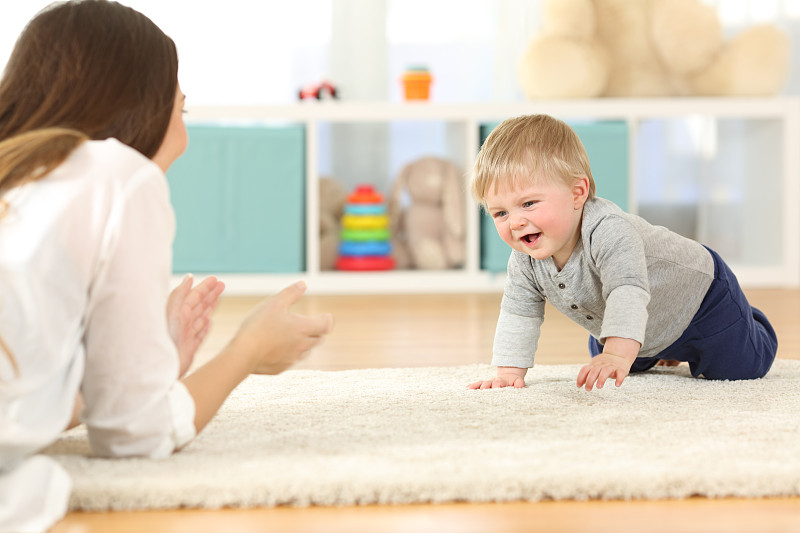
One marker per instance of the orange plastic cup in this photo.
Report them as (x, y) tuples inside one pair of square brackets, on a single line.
[(417, 84)]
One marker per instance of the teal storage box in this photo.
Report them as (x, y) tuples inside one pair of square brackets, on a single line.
[(606, 144), (239, 198)]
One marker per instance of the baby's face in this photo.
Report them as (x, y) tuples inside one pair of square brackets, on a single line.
[(541, 218)]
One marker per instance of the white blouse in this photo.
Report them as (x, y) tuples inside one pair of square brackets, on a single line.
[(85, 261)]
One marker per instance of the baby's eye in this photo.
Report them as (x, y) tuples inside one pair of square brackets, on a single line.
[(499, 214), (528, 203)]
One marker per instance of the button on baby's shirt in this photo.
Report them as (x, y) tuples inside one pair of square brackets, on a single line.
[(573, 306), (562, 286)]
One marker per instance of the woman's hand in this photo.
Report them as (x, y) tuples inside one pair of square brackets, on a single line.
[(270, 339), (189, 316), (277, 337)]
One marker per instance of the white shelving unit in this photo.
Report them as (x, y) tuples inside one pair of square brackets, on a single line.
[(784, 110)]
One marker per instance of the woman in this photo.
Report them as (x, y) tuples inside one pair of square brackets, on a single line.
[(90, 119)]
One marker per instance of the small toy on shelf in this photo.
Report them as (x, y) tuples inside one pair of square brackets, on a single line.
[(323, 90), (417, 83), (365, 243)]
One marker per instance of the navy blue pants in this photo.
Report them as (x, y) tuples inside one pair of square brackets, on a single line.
[(726, 339)]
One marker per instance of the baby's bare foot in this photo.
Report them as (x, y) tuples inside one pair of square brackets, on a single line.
[(668, 362)]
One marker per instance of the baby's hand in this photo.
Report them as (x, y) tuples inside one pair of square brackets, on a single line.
[(506, 377), (602, 367)]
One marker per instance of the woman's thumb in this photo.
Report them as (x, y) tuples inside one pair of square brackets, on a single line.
[(292, 293)]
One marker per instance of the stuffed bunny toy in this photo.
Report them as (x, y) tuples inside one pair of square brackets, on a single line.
[(426, 210)]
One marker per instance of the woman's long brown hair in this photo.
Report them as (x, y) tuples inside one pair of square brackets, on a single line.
[(94, 66), (83, 69)]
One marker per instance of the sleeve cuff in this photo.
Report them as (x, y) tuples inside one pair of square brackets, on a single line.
[(511, 360), (182, 410), (515, 340), (626, 314)]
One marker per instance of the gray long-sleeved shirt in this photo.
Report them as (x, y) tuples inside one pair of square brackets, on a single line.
[(625, 278)]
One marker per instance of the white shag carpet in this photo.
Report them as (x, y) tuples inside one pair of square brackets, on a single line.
[(418, 435)]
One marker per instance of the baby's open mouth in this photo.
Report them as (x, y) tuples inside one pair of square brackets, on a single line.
[(530, 238)]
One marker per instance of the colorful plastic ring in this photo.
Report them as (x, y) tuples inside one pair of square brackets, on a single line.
[(365, 234), (364, 209), (365, 221), (365, 248), (364, 263), (365, 194)]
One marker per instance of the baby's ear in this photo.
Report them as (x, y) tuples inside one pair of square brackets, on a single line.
[(580, 191)]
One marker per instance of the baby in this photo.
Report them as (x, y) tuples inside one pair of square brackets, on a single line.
[(644, 293)]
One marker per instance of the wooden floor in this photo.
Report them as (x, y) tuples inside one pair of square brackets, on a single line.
[(444, 330)]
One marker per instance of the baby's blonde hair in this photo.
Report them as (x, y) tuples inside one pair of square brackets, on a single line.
[(526, 148)]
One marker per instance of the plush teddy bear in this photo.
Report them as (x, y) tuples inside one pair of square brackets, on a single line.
[(639, 48), (426, 212), (332, 198)]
